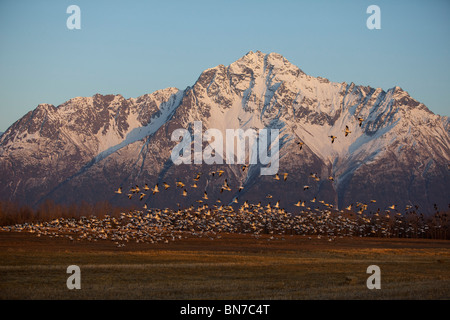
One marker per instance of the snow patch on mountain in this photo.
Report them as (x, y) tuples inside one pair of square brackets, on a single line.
[(141, 132)]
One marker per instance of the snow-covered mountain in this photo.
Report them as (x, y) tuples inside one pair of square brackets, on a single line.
[(86, 148)]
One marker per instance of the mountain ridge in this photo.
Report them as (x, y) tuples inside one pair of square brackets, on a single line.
[(107, 139)]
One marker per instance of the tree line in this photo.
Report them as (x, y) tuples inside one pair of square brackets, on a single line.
[(13, 213)]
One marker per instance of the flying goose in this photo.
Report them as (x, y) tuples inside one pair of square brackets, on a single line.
[(225, 186), (347, 131), (119, 191), (180, 184), (332, 138), (360, 121)]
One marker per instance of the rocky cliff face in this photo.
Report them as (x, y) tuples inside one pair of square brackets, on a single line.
[(86, 148)]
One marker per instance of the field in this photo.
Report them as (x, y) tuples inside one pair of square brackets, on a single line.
[(235, 266)]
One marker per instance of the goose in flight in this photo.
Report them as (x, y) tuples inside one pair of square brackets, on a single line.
[(220, 172), (300, 144), (155, 189), (245, 166), (285, 175), (332, 138), (180, 184), (205, 196), (146, 188), (360, 121), (330, 178), (315, 176), (347, 131), (166, 186), (119, 191), (225, 186), (142, 196), (305, 188), (184, 193), (241, 188), (277, 177)]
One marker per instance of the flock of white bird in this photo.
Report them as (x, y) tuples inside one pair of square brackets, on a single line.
[(164, 226), (152, 225)]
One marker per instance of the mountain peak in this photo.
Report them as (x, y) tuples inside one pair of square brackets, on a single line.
[(270, 61)]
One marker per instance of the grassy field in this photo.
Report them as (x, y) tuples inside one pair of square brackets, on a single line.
[(233, 267)]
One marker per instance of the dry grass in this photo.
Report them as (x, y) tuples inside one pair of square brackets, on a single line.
[(238, 267)]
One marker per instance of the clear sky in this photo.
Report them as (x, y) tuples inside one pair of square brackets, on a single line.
[(136, 47)]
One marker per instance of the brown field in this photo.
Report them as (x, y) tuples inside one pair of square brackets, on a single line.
[(233, 267)]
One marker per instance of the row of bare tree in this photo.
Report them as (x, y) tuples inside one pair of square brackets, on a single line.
[(12, 213)]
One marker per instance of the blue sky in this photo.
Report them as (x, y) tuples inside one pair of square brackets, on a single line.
[(136, 47)]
